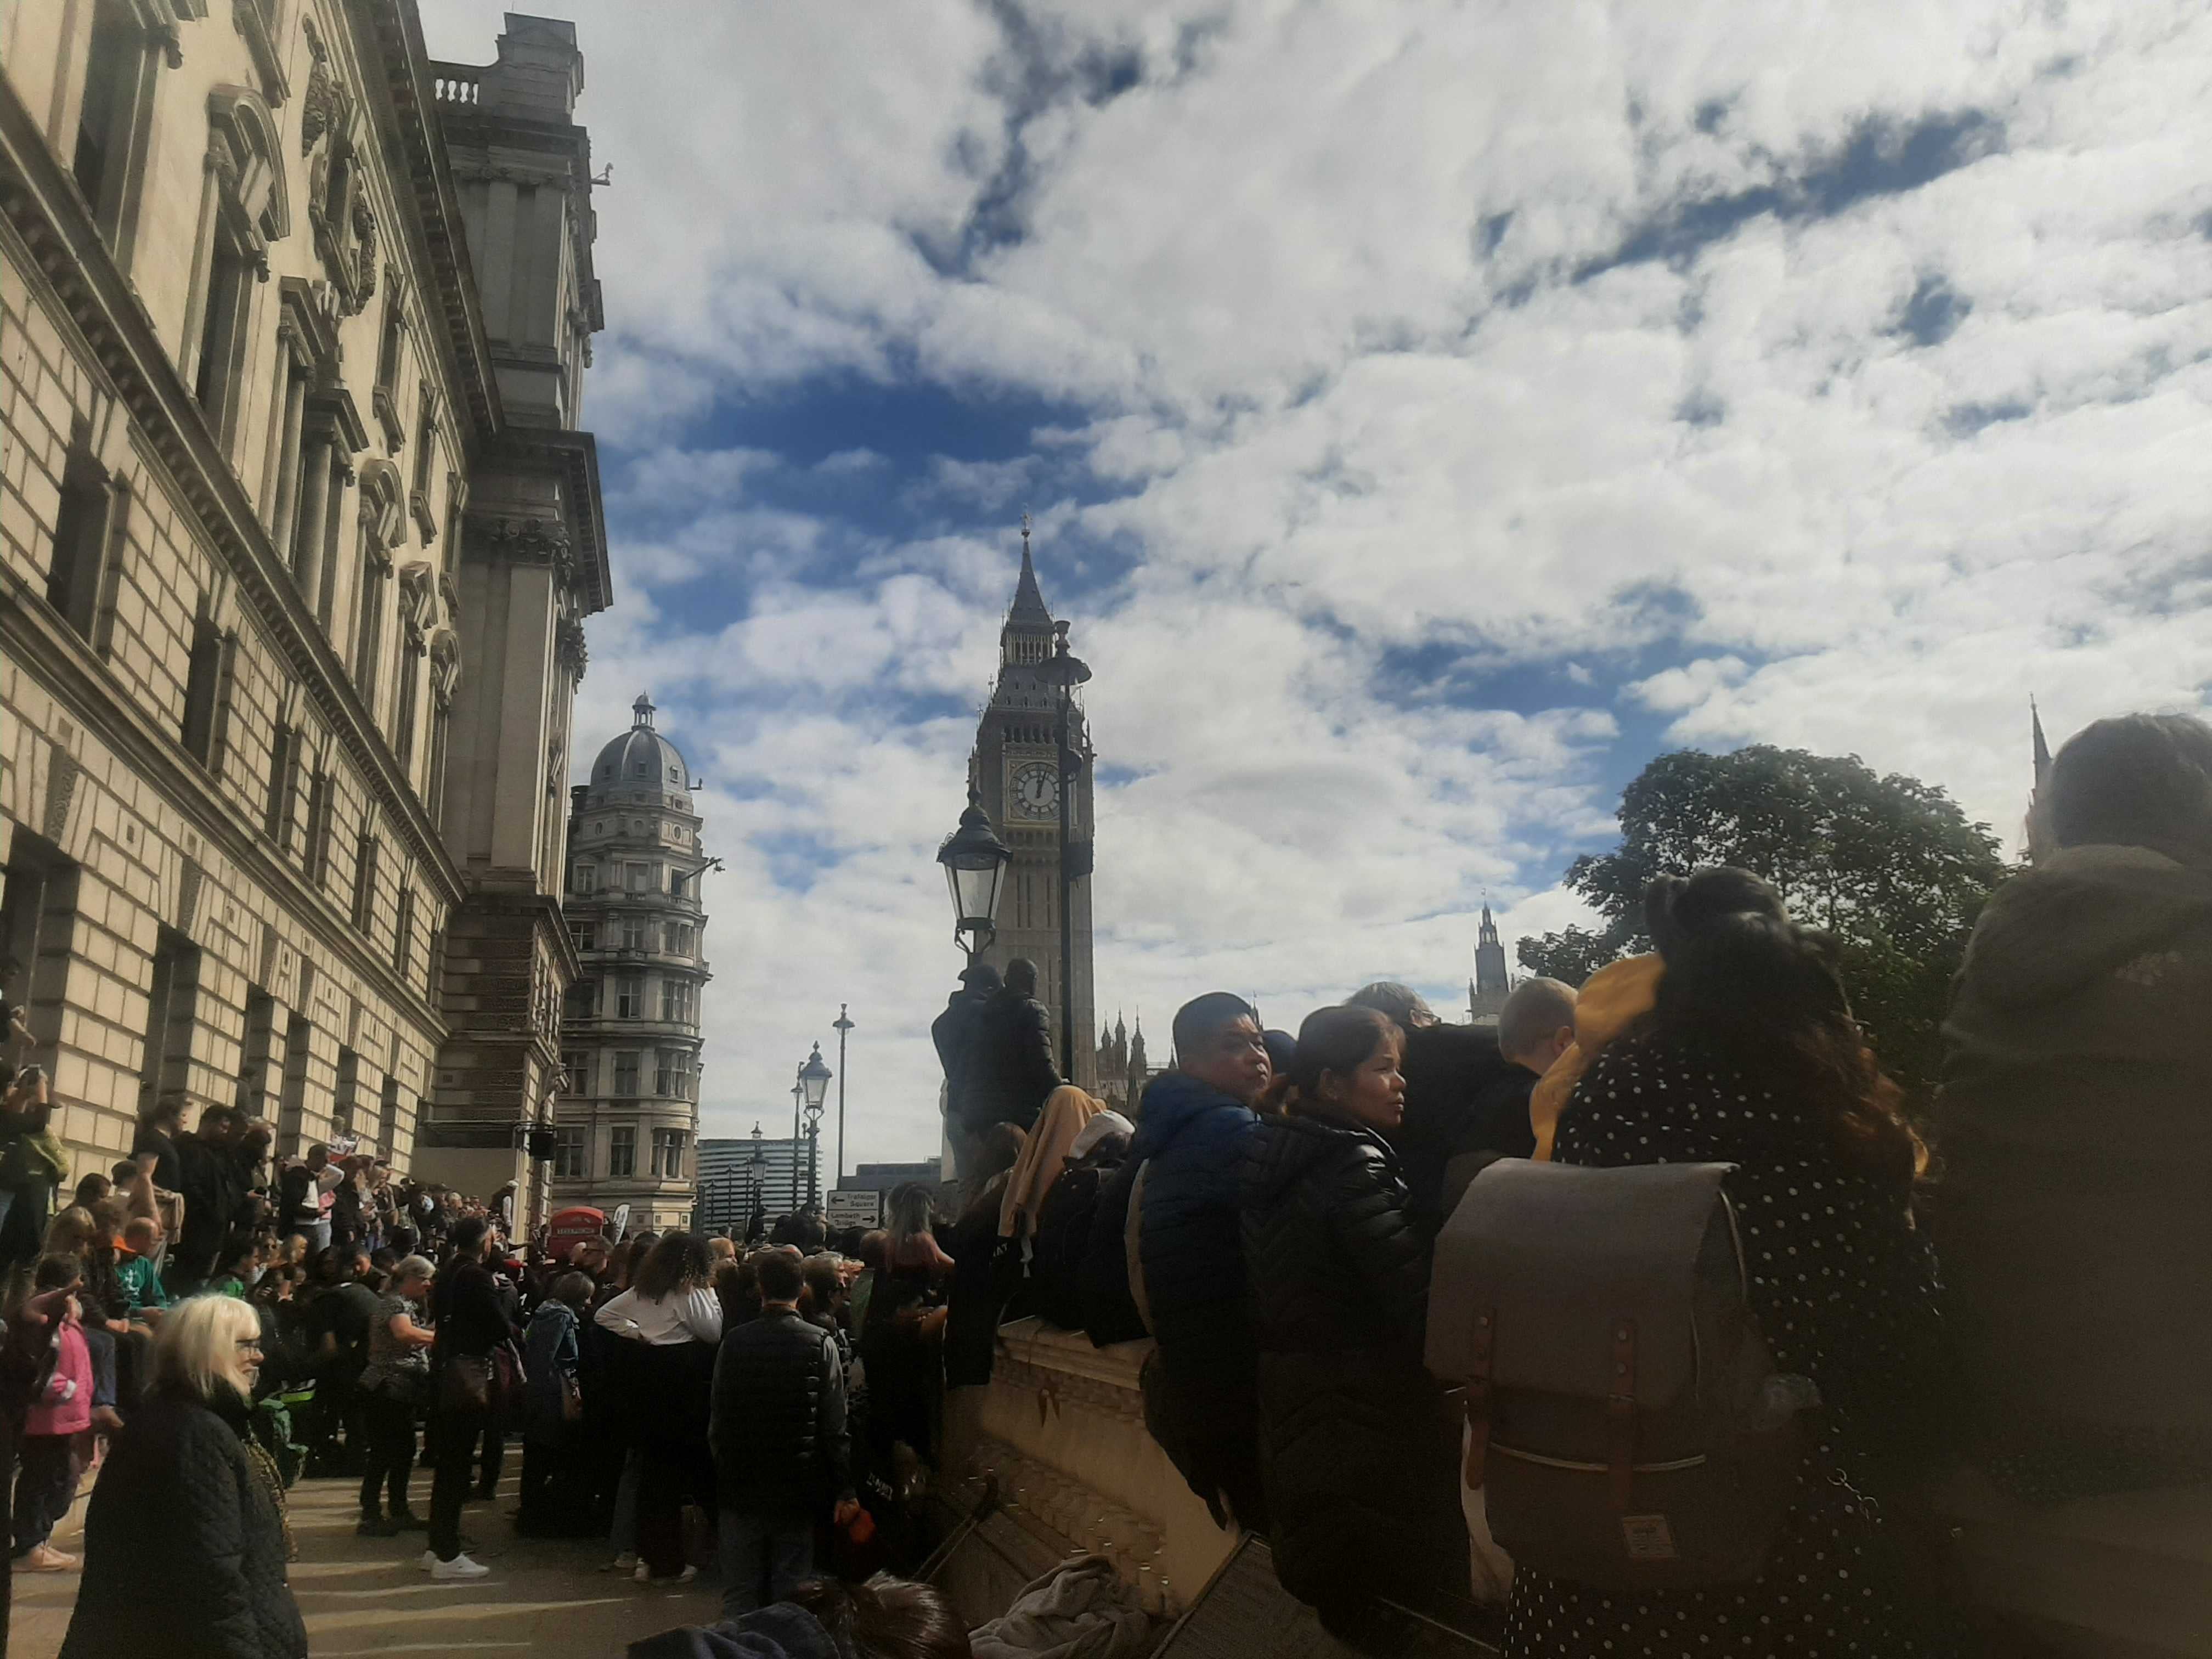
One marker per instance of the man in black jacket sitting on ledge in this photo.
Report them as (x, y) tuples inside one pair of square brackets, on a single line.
[(778, 1433)]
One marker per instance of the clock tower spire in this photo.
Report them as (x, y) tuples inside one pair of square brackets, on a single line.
[(1017, 771)]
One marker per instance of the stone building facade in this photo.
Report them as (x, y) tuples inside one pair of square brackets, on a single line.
[(627, 1121), (1014, 769), (297, 536)]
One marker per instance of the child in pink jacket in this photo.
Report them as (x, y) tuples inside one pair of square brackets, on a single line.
[(46, 1475)]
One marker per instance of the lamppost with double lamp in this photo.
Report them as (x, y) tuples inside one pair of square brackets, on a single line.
[(841, 1025), (814, 1079), (974, 861)]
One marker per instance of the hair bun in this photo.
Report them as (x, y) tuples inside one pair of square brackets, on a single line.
[(1677, 908)]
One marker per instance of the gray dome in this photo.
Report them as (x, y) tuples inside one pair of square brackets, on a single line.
[(641, 759)]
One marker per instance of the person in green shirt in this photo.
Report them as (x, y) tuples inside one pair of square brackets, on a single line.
[(141, 1277)]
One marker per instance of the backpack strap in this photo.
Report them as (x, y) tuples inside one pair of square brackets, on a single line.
[(1132, 1232), (1620, 1415), (1477, 1396)]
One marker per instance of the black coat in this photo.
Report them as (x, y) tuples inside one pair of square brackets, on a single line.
[(778, 1427), (215, 1185), (184, 1550), (1012, 1069), (1357, 1450), (1461, 1096)]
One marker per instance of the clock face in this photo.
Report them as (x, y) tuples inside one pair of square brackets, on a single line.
[(1036, 793)]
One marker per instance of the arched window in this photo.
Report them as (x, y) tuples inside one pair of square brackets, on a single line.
[(242, 209)]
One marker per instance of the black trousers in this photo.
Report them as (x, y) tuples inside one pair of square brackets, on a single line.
[(391, 1426), (453, 1440), (45, 1482)]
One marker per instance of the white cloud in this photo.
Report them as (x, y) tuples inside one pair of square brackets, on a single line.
[(1858, 479)]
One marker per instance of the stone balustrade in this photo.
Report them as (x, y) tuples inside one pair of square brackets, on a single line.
[(1061, 1428)]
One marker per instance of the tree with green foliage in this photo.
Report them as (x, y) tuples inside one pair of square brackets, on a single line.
[(1890, 866)]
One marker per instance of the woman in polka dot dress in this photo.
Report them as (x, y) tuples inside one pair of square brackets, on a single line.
[(1750, 1057)]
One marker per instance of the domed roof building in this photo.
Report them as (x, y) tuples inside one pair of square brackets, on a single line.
[(627, 1121)]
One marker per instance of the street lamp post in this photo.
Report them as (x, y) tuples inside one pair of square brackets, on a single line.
[(756, 1166), (974, 861), (842, 1025), (814, 1081), (798, 1097), (1068, 672)]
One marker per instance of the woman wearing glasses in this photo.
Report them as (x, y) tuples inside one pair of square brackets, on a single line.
[(184, 1538)]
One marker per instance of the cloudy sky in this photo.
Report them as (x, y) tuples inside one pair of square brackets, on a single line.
[(1429, 413)]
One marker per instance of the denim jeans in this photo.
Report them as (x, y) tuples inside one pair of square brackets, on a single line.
[(764, 1559)]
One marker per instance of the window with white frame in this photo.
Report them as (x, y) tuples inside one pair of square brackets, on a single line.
[(677, 1001), (668, 1153), (671, 1077), (626, 1072), (584, 878), (622, 1150), (568, 1155), (630, 997)]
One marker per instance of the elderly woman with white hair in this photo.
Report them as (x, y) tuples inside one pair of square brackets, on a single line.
[(185, 1541)]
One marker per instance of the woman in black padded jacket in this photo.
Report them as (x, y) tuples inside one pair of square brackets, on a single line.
[(1357, 1448)]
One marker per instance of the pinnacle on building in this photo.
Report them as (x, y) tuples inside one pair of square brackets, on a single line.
[(1486, 991)]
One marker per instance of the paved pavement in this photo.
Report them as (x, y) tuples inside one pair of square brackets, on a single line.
[(369, 1595)]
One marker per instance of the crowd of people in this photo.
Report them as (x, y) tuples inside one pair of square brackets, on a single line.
[(1270, 1219), (1269, 1215)]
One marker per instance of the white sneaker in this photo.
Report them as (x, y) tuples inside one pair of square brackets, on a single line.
[(430, 1560), (644, 1576), (626, 1562), (461, 1567)]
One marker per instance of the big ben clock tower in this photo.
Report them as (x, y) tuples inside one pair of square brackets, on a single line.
[(1016, 767)]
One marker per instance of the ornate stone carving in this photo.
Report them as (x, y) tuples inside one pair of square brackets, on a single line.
[(324, 102), (527, 541), (62, 774), (569, 649), (364, 251)]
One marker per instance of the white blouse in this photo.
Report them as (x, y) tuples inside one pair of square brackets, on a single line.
[(684, 1316)]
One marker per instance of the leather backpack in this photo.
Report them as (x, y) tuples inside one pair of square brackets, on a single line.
[(1624, 1417)]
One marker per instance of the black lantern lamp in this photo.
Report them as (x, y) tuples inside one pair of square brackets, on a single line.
[(814, 1078), (974, 861)]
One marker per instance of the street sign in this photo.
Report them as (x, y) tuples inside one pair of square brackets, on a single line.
[(855, 1210)]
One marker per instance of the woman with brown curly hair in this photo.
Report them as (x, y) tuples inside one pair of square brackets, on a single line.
[(1749, 1056)]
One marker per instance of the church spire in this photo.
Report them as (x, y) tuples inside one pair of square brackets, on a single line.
[(1029, 607), (2042, 748)]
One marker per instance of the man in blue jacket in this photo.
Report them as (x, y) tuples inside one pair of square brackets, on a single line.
[(1196, 1122)]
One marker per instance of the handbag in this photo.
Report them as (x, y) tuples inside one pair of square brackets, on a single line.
[(572, 1399), (465, 1383)]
